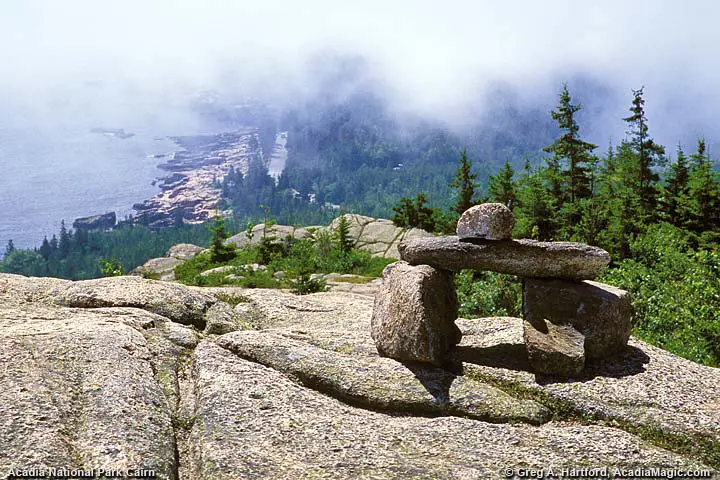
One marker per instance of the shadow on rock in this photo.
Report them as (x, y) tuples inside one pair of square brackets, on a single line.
[(437, 381), (511, 356), (630, 362)]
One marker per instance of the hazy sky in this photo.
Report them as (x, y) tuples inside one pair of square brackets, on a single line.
[(433, 53)]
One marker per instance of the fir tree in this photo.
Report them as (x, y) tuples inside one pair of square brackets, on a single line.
[(676, 198), (414, 214), (219, 251), (64, 241), (568, 167), (570, 149), (703, 191), (641, 157), (10, 247), (534, 212), (45, 248), (344, 242), (464, 182), (502, 186)]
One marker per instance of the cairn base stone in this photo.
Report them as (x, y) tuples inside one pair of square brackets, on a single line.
[(602, 314), (554, 349), (414, 314)]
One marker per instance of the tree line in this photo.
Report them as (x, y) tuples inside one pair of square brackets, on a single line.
[(601, 199)]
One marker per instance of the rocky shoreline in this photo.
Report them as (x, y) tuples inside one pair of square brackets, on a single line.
[(190, 193)]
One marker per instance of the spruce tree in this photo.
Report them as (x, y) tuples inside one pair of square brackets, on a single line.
[(676, 193), (642, 157), (502, 187), (464, 182), (64, 241), (414, 214), (219, 251), (344, 242), (568, 167), (533, 213), (10, 247), (703, 191), (45, 248)]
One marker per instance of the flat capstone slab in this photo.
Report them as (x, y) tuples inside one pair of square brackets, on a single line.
[(525, 258)]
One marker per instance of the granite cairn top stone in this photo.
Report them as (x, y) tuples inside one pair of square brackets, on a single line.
[(489, 221)]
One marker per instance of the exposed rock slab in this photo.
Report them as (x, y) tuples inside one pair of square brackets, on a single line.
[(382, 384), (644, 386), (488, 221), (164, 267), (21, 289), (184, 251), (378, 236), (95, 222), (213, 271), (276, 233), (65, 401), (170, 300), (526, 258), (251, 418), (161, 267), (414, 314), (600, 312), (234, 418), (176, 302), (221, 318), (189, 194)]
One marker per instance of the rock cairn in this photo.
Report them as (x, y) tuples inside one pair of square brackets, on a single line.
[(567, 317)]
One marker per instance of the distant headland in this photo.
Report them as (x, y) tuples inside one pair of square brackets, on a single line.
[(113, 132)]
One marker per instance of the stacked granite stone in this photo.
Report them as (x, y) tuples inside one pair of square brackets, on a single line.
[(567, 317)]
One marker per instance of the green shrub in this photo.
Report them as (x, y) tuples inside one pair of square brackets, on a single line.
[(676, 293), (488, 294), (304, 285), (232, 299), (111, 267)]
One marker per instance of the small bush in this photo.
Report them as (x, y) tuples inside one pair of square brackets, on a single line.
[(675, 293), (488, 294), (111, 267), (304, 285), (231, 299)]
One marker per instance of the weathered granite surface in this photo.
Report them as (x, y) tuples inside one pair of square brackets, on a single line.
[(488, 221), (601, 313), (526, 258), (414, 314), (307, 396), (378, 236)]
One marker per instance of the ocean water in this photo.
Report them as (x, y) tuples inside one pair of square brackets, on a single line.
[(66, 173), (54, 167)]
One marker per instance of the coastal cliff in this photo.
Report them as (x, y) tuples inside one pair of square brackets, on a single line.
[(190, 193)]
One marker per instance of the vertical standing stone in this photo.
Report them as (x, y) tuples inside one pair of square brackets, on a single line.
[(414, 314), (601, 313)]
